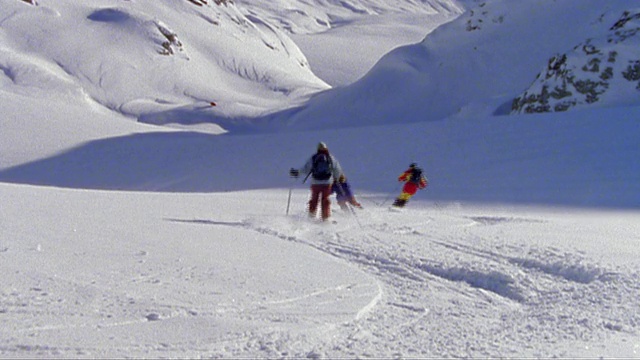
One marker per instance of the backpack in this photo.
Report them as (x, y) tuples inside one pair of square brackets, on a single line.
[(322, 167), (416, 175)]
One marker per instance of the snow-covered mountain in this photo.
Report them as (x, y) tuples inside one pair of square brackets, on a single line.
[(146, 57), (468, 69), (130, 227), (601, 71), (230, 65), (346, 38), (303, 17), (478, 63), (167, 62)]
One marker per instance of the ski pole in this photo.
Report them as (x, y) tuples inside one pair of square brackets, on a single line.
[(370, 200), (289, 199), (390, 195), (353, 212), (349, 206)]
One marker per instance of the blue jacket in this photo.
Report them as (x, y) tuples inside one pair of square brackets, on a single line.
[(342, 190)]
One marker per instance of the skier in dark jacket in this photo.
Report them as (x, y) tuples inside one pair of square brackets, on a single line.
[(323, 168), (414, 180), (344, 195)]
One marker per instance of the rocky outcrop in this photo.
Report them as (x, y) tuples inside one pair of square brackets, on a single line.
[(206, 2), (172, 45), (601, 71)]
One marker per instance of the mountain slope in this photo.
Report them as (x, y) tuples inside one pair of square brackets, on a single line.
[(309, 17), (477, 64), (600, 71), (140, 58), (471, 156), (474, 267)]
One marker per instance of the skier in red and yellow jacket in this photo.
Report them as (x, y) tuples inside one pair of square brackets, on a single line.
[(414, 180)]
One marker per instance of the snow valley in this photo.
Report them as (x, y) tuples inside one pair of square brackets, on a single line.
[(145, 150)]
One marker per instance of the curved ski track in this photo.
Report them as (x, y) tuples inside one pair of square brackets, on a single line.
[(438, 273)]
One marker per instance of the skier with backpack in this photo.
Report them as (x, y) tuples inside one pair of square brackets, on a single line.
[(414, 180), (323, 168)]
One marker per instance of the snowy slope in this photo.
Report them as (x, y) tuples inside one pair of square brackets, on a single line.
[(229, 275), (580, 159), (139, 58), (304, 17), (481, 61), (585, 161), (344, 39), (344, 54), (124, 239)]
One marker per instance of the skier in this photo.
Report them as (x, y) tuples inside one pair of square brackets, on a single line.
[(344, 194), (323, 169), (414, 179)]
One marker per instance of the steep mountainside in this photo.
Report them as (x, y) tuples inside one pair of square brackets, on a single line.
[(604, 70), (147, 57), (474, 65)]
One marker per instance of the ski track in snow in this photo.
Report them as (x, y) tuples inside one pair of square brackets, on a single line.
[(526, 294), (450, 284)]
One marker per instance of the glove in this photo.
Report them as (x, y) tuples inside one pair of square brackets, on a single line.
[(342, 179), (294, 172)]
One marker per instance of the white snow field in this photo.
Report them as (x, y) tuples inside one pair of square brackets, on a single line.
[(126, 274), (138, 220)]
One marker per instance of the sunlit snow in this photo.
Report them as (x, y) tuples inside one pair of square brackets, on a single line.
[(147, 209)]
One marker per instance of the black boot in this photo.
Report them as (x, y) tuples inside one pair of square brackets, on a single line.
[(399, 203)]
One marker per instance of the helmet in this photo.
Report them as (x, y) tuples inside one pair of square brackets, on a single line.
[(413, 165), (322, 146)]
